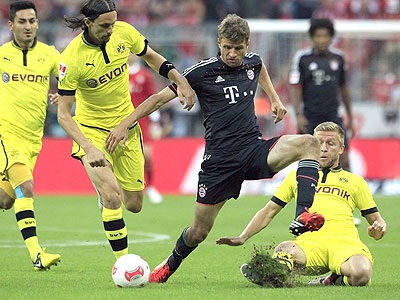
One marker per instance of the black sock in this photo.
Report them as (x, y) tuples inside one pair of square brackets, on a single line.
[(307, 180), (181, 251)]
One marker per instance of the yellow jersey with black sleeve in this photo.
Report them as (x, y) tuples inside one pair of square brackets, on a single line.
[(338, 193), (98, 76), (24, 87)]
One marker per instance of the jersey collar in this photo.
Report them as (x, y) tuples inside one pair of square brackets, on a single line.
[(225, 65), (15, 44), (88, 41)]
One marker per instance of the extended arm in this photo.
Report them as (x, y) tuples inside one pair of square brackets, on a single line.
[(277, 108), (95, 157), (155, 60), (260, 220), (120, 132), (378, 225)]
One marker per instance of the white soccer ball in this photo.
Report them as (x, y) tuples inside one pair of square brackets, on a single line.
[(130, 270)]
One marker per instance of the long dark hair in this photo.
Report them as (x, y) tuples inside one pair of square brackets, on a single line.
[(91, 9)]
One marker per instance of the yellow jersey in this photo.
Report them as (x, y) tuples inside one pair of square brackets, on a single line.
[(98, 76), (24, 88), (337, 195)]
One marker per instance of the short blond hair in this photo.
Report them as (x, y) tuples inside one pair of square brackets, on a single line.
[(331, 126)]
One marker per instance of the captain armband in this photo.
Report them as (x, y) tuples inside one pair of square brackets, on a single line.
[(165, 67)]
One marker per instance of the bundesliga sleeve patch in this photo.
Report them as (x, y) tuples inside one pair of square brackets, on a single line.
[(294, 77), (62, 70)]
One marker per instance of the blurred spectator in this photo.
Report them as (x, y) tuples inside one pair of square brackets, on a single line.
[(382, 84)]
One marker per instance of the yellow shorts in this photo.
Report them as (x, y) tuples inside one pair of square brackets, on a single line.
[(326, 254), (127, 162), (14, 150)]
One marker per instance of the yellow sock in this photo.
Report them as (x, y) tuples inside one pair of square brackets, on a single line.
[(284, 258), (27, 225), (116, 231)]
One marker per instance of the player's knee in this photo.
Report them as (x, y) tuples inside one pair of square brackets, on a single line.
[(27, 188), (361, 279), (111, 198), (6, 202), (287, 247), (134, 207), (361, 275)]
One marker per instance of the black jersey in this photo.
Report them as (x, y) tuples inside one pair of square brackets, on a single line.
[(226, 97), (320, 76)]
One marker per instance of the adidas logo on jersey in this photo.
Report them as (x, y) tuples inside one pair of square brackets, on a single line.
[(219, 79)]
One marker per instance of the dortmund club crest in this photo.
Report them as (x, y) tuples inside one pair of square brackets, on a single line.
[(121, 48)]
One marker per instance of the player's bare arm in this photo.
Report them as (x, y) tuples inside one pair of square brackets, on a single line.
[(151, 104), (95, 157), (260, 220), (277, 108), (377, 228), (185, 91)]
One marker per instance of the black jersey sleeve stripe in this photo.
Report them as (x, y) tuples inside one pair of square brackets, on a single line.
[(146, 43), (369, 211), (278, 201), (66, 92), (174, 88)]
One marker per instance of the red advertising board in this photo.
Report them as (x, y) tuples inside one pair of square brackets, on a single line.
[(176, 163)]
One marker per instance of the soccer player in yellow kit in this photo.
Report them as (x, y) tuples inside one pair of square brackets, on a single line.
[(336, 247), (25, 67), (94, 72)]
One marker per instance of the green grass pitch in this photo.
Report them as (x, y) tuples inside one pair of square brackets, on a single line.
[(72, 226)]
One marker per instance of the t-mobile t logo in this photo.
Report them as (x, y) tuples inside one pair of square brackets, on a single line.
[(231, 92)]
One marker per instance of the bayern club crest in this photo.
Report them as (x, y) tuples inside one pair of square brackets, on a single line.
[(334, 64), (250, 74), (202, 191)]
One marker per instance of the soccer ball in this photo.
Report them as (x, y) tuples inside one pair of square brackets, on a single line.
[(130, 270)]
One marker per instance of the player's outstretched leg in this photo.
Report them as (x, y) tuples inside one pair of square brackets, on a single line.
[(307, 179), (163, 271)]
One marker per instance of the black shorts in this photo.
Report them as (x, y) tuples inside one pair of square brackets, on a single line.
[(222, 173), (314, 122)]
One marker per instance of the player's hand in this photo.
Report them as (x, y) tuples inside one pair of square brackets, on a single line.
[(350, 129), (54, 98), (231, 241), (185, 91), (95, 157), (278, 111), (377, 230), (302, 123), (118, 134)]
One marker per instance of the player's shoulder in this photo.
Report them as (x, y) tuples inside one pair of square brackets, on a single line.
[(202, 66), (302, 53), (6, 46), (252, 58), (45, 48), (336, 52)]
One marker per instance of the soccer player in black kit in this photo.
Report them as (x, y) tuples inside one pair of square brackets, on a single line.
[(225, 86), (318, 78)]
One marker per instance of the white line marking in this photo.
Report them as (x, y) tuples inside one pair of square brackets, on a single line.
[(149, 237)]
